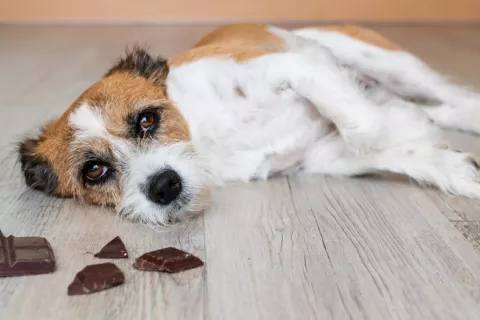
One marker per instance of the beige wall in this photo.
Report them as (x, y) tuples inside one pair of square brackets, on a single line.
[(224, 10)]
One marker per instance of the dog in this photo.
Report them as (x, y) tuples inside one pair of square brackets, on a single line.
[(252, 101)]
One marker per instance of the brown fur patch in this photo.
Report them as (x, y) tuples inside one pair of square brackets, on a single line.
[(237, 53), (362, 34), (243, 35)]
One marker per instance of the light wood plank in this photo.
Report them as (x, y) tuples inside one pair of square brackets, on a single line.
[(333, 252), (266, 258)]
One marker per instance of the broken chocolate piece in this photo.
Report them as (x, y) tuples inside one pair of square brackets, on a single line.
[(21, 256), (168, 260), (115, 249), (96, 277)]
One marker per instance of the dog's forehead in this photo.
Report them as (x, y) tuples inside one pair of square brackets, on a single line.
[(120, 89), (107, 103)]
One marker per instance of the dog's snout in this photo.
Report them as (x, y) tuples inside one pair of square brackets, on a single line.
[(165, 187)]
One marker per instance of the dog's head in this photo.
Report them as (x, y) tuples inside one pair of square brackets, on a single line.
[(121, 143)]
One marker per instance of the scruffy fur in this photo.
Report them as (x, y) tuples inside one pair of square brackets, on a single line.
[(251, 101)]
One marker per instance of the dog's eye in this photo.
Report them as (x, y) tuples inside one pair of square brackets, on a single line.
[(147, 122), (144, 124), (94, 171)]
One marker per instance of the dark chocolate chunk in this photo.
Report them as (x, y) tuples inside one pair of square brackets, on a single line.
[(96, 277), (168, 260), (20, 256), (115, 249)]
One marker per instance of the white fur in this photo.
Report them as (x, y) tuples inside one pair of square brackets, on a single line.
[(87, 121), (146, 163), (405, 75), (283, 118), (240, 135)]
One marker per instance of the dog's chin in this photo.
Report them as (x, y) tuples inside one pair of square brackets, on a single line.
[(154, 215)]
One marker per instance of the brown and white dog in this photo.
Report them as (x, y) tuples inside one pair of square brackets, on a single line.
[(246, 102)]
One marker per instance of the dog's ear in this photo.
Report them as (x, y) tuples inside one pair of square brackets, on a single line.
[(139, 63), (37, 171)]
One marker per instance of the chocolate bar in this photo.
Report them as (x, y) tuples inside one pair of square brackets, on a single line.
[(167, 260), (21, 256), (96, 277), (115, 249)]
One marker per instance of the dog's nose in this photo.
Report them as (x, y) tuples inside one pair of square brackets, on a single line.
[(165, 187)]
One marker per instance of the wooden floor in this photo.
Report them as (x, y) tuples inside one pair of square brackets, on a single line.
[(310, 248)]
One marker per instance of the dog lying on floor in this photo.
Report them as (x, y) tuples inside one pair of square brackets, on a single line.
[(247, 102)]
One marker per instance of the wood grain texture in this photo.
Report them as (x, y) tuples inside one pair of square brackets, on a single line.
[(334, 250), (296, 248), (470, 230)]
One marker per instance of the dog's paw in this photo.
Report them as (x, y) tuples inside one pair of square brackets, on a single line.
[(464, 175)]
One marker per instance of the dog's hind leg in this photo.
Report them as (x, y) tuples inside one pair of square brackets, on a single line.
[(447, 104), (365, 126)]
